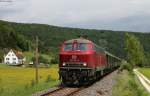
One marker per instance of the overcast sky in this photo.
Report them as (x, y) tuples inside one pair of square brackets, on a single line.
[(127, 15)]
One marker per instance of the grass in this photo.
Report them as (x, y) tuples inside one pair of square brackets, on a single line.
[(127, 84), (145, 71), (16, 81)]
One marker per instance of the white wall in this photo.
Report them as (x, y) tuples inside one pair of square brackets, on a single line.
[(11, 58)]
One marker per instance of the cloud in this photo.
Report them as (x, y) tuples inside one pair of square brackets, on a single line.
[(12, 9), (99, 14)]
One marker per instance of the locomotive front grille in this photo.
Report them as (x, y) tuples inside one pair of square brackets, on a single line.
[(75, 65)]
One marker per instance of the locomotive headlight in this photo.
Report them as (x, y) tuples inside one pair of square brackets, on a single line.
[(64, 64), (84, 64)]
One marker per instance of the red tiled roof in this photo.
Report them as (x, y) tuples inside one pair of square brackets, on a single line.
[(18, 54)]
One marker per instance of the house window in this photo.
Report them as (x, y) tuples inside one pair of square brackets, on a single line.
[(14, 62), (12, 54), (14, 58), (7, 58)]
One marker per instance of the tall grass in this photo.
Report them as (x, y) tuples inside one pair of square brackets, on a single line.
[(16, 81), (127, 84), (27, 90)]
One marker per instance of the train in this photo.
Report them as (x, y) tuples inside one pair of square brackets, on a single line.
[(81, 62)]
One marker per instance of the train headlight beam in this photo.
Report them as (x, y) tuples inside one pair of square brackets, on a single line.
[(64, 64), (84, 64)]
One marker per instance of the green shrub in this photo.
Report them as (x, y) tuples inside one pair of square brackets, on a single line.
[(48, 79), (55, 60), (125, 66)]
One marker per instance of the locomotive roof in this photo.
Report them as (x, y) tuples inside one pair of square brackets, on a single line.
[(82, 40), (79, 40)]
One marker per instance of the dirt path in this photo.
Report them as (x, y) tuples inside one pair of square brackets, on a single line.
[(144, 80)]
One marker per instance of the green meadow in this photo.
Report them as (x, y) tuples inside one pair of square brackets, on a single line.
[(145, 71), (18, 81)]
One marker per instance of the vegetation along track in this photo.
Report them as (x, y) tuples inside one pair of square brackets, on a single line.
[(63, 91)]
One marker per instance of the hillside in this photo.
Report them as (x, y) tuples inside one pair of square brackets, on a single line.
[(9, 38), (52, 36)]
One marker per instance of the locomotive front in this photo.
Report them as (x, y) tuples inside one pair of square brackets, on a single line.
[(76, 61)]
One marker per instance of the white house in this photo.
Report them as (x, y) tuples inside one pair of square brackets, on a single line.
[(14, 57)]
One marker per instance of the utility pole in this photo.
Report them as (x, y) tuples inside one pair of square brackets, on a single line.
[(36, 63)]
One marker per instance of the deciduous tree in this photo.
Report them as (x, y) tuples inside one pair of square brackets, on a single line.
[(135, 52)]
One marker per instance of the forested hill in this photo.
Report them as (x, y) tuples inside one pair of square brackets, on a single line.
[(51, 37), (9, 38)]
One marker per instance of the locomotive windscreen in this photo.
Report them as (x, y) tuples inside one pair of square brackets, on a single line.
[(77, 46), (68, 47)]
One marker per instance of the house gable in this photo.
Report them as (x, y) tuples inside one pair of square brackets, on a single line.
[(11, 58), (11, 54)]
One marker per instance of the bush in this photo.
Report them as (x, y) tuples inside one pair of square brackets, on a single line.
[(1, 55), (42, 60), (48, 79), (125, 66), (55, 60)]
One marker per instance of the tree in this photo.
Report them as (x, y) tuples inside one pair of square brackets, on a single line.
[(44, 60), (103, 43), (1, 55), (135, 52)]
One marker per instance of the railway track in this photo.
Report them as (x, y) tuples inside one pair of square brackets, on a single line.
[(68, 91), (63, 91)]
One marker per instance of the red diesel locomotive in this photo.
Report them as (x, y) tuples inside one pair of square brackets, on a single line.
[(81, 61)]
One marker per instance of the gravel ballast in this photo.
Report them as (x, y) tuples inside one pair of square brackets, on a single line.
[(101, 88)]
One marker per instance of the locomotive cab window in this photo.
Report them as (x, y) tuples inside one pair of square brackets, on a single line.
[(75, 47), (68, 47), (82, 46)]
